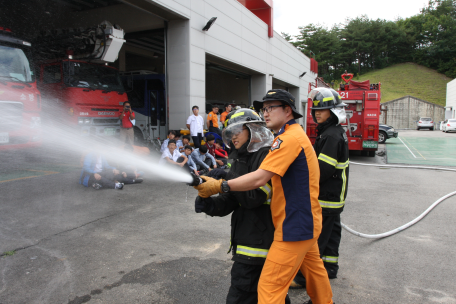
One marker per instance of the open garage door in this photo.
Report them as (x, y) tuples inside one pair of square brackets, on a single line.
[(226, 85), (143, 53)]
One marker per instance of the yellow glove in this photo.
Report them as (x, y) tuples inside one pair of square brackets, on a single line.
[(210, 187)]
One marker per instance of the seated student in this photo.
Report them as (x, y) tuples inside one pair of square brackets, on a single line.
[(221, 156), (191, 164), (210, 139), (99, 174), (171, 135), (203, 160), (184, 142), (178, 138), (130, 171), (174, 157)]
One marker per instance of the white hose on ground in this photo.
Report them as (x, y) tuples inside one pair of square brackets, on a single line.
[(403, 227)]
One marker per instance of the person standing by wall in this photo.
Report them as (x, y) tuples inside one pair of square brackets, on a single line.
[(224, 114), (127, 134), (212, 121), (195, 124), (292, 167)]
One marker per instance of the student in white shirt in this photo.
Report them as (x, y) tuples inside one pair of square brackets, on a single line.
[(195, 124), (173, 156), (171, 135)]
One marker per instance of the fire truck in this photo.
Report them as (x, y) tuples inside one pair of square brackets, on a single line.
[(363, 113), (20, 100), (79, 88)]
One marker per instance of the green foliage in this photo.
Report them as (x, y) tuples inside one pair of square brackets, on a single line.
[(362, 45), (410, 79)]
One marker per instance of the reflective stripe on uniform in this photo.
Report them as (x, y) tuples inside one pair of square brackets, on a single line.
[(327, 159), (344, 185), (267, 189), (325, 204), (330, 259), (342, 165), (252, 252)]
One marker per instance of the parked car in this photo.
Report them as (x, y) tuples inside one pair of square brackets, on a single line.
[(425, 123), (385, 132), (449, 125)]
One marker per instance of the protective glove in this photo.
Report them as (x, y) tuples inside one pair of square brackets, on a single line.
[(210, 187), (200, 204)]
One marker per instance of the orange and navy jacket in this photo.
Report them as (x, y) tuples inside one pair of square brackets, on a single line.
[(295, 209), (212, 117)]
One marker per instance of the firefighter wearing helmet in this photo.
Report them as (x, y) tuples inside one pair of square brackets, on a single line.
[(331, 147), (291, 166), (252, 229)]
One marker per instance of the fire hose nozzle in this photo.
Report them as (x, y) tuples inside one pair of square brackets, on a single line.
[(196, 180)]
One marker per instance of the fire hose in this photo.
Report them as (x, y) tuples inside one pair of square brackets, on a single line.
[(416, 220)]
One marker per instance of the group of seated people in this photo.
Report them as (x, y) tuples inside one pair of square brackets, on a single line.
[(198, 161), (99, 174)]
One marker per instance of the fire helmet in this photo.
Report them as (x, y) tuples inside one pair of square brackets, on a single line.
[(324, 98), (260, 136)]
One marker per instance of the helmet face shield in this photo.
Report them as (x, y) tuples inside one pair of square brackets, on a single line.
[(260, 137), (231, 131)]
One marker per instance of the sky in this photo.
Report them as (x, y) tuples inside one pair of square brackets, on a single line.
[(290, 14)]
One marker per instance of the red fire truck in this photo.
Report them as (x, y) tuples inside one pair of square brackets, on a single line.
[(20, 100), (363, 113), (79, 88)]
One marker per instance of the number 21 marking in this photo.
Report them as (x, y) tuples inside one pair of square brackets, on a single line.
[(344, 95)]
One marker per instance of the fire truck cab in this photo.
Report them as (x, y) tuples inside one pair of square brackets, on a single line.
[(20, 100), (79, 89), (363, 114)]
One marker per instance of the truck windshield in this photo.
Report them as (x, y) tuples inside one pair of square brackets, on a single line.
[(92, 76), (14, 64)]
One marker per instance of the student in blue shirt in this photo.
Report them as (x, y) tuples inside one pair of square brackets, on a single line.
[(203, 159)]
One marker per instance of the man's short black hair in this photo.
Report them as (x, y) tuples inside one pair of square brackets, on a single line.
[(125, 102), (219, 142), (172, 132), (227, 105), (203, 149), (188, 147), (215, 106), (195, 107), (171, 141), (187, 137), (210, 137)]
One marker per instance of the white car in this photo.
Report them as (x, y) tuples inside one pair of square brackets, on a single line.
[(425, 123), (449, 125)]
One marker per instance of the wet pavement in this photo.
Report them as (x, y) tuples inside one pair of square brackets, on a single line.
[(64, 243)]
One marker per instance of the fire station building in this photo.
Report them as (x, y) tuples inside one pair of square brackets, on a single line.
[(208, 51)]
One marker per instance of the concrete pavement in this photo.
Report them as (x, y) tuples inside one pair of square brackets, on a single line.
[(145, 244)]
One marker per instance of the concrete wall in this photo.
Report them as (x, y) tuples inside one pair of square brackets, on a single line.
[(237, 36), (404, 112), (451, 100)]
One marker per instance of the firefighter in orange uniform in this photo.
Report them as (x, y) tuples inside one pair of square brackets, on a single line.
[(292, 166)]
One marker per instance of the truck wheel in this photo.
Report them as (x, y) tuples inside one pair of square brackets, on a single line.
[(381, 137), (432, 129), (371, 153)]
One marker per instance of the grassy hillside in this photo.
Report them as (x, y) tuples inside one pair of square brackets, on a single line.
[(410, 79)]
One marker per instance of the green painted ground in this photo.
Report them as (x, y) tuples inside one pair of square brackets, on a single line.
[(422, 151)]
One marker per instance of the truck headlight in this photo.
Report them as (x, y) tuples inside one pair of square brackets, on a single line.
[(80, 121), (86, 120)]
